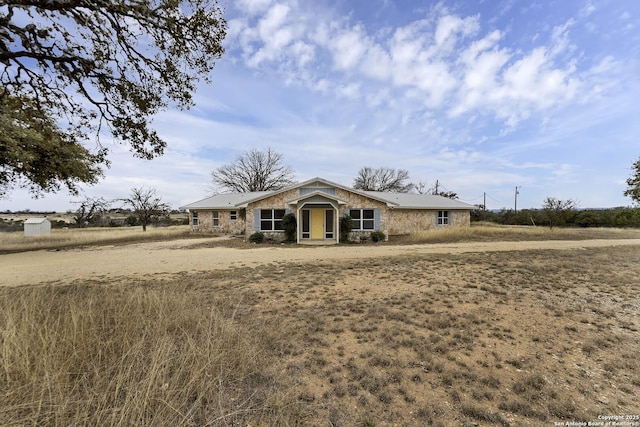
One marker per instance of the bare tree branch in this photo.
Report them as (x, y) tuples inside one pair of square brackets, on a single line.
[(254, 170), (382, 179), (147, 206)]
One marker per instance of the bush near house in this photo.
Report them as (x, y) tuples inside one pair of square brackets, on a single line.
[(346, 224), (378, 236), (257, 237)]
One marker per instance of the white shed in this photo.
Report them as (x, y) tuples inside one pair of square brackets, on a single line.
[(37, 227)]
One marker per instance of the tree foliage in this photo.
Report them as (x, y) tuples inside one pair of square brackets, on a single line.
[(382, 179), (35, 153), (447, 194), (556, 210), (147, 206), (254, 170), (633, 184), (101, 64)]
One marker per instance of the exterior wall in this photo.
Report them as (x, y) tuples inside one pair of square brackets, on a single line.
[(225, 224), (356, 201), (37, 228), (278, 201), (404, 221)]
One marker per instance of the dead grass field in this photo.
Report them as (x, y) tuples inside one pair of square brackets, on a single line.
[(519, 338)]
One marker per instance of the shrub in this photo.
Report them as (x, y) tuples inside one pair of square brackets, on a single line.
[(290, 226), (378, 236), (345, 228), (257, 237)]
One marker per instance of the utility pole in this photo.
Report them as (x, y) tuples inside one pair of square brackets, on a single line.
[(515, 205), (484, 207)]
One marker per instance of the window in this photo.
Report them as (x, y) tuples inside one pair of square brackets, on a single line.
[(216, 219), (362, 219), (271, 219), (443, 218), (328, 220), (194, 218), (233, 215), (306, 224)]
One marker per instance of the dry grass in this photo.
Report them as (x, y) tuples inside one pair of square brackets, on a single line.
[(136, 355), (493, 232), (520, 339), (74, 237)]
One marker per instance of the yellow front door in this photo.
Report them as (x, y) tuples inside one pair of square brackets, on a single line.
[(317, 223)]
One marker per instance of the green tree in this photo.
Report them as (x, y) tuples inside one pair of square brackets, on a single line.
[(147, 206), (556, 210), (97, 65), (633, 183), (36, 154)]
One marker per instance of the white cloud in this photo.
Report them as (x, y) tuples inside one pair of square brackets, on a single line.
[(348, 48), (253, 7)]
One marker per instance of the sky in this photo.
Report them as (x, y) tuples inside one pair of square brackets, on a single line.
[(482, 96)]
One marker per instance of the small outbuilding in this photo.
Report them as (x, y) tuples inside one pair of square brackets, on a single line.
[(37, 227)]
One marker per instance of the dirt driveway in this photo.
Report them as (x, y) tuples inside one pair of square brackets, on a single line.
[(162, 258)]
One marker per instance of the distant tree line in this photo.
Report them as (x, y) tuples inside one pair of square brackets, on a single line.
[(613, 217)]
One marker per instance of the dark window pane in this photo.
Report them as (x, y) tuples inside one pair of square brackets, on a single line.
[(355, 225), (266, 214), (278, 225), (278, 213), (367, 213), (266, 225), (329, 221), (305, 221), (355, 214), (367, 224)]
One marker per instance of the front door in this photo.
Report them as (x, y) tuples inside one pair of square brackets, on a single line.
[(317, 223)]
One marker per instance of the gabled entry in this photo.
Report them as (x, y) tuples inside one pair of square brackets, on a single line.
[(317, 214)]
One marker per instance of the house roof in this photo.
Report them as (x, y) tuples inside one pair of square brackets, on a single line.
[(36, 220), (420, 201), (226, 200), (394, 200)]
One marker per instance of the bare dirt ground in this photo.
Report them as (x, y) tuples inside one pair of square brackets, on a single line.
[(176, 256)]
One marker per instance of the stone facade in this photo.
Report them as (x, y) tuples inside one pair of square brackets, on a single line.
[(406, 221), (226, 224)]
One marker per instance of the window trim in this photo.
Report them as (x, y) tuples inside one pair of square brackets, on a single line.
[(215, 218), (273, 219), (443, 218), (361, 219)]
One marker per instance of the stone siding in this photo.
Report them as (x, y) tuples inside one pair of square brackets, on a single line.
[(405, 221), (225, 224)]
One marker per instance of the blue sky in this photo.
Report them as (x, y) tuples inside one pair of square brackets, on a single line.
[(482, 96)]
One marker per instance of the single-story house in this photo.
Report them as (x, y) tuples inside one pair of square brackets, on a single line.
[(318, 205)]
